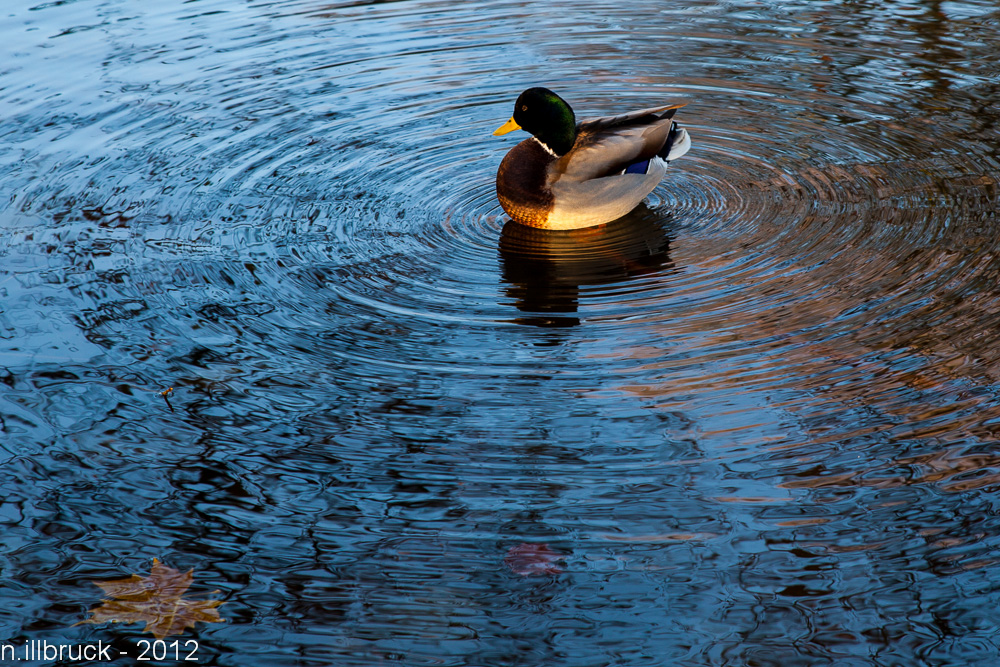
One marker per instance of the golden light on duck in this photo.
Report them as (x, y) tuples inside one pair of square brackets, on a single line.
[(569, 175)]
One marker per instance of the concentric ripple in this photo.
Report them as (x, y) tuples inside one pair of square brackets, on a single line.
[(261, 315)]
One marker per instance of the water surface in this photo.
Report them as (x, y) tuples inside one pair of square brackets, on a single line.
[(755, 420)]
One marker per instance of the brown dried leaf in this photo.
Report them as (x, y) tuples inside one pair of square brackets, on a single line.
[(155, 600)]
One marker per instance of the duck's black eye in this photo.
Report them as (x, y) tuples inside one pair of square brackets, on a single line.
[(524, 107)]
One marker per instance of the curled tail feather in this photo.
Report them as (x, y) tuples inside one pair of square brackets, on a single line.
[(677, 144)]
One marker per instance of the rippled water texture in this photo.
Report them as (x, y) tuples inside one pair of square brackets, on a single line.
[(753, 423)]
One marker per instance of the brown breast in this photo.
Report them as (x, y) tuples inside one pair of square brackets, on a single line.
[(521, 183)]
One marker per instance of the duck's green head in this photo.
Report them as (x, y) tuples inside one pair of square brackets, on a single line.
[(545, 115)]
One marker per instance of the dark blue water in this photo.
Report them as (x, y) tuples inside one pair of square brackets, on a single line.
[(755, 422)]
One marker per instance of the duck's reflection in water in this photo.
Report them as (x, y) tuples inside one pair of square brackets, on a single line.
[(545, 269)]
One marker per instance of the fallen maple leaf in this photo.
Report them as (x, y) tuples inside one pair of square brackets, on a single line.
[(528, 559), (155, 600)]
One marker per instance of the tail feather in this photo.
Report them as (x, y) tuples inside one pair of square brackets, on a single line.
[(677, 144)]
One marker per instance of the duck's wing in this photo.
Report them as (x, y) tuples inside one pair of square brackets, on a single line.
[(641, 117), (607, 146)]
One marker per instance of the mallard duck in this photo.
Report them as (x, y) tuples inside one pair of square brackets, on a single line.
[(570, 175)]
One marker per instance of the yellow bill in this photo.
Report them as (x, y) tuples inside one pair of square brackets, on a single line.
[(509, 126)]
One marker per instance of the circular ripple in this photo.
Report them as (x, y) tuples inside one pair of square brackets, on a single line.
[(368, 177)]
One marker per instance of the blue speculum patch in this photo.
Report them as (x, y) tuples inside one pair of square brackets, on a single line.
[(638, 168)]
